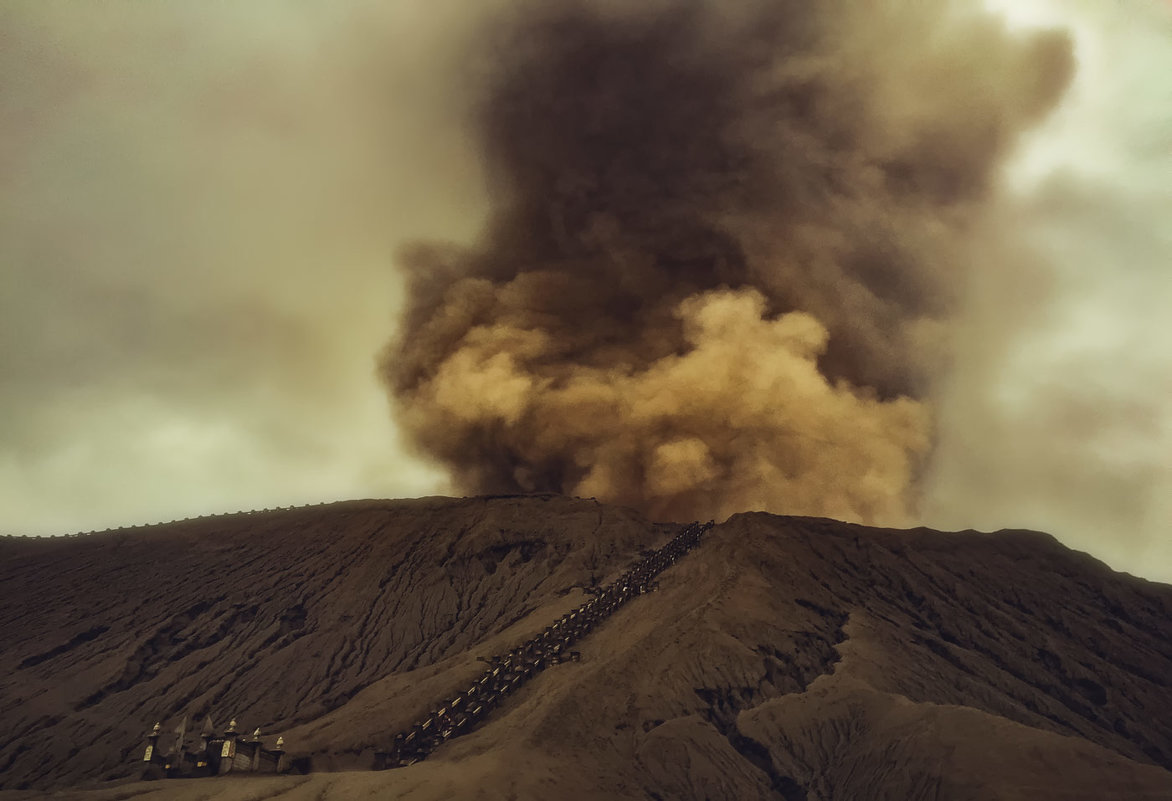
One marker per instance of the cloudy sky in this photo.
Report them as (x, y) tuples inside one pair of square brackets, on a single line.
[(201, 205)]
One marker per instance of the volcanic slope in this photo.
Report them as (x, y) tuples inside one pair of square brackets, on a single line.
[(784, 658)]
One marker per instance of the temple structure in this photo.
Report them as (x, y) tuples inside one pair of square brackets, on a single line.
[(217, 754)]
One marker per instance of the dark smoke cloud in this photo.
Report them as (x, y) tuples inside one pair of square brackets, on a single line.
[(726, 245)]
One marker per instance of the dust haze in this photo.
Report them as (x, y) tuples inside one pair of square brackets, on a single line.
[(726, 247)]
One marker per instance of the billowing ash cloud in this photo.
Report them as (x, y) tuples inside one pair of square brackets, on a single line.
[(726, 243)]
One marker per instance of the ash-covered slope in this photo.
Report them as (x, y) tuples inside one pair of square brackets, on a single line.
[(274, 617), (783, 658)]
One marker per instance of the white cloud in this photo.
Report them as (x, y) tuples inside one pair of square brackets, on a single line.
[(1060, 415)]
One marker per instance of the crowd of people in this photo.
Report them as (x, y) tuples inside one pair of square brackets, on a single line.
[(506, 673)]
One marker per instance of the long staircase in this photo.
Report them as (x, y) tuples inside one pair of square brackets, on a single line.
[(505, 674)]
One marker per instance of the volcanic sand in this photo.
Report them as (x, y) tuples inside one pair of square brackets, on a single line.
[(783, 658)]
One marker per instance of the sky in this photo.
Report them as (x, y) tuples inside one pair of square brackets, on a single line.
[(201, 206)]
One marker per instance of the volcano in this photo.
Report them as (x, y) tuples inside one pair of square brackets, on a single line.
[(779, 658)]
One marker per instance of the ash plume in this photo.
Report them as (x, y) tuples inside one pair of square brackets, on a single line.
[(726, 244)]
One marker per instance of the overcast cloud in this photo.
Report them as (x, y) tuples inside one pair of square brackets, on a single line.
[(201, 204), (200, 208), (1059, 412)]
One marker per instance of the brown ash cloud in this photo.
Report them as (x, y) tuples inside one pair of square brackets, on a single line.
[(726, 243)]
